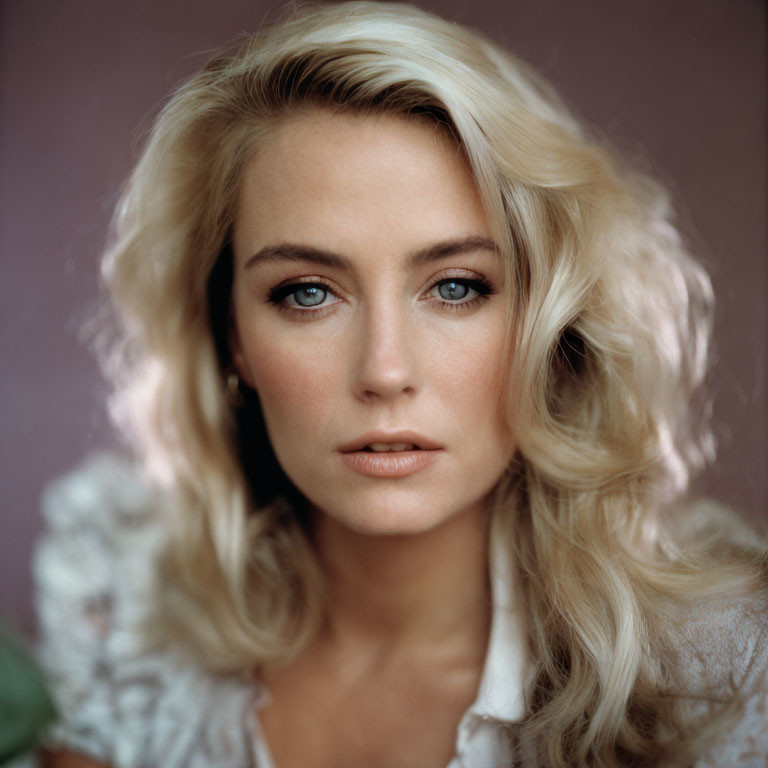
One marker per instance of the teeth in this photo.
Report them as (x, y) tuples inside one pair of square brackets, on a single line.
[(381, 447)]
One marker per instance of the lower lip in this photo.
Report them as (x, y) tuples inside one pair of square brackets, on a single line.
[(389, 463)]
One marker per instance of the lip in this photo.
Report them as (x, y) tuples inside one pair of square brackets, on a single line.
[(392, 437), (389, 464)]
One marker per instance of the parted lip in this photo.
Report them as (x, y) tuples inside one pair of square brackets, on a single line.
[(390, 437)]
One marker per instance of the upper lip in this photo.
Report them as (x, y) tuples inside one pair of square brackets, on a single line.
[(390, 437)]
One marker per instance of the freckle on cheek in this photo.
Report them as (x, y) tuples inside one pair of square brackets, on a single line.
[(295, 380)]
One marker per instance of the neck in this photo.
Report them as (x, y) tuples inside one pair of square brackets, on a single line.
[(407, 593)]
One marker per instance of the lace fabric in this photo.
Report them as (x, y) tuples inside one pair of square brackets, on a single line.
[(131, 707), (120, 703), (726, 651)]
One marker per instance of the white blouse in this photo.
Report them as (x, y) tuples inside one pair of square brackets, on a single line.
[(131, 708)]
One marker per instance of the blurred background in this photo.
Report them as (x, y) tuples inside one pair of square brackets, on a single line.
[(677, 85)]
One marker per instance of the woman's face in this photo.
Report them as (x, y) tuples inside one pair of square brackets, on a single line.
[(368, 315)]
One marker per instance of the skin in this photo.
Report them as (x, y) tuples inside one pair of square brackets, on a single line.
[(400, 656), (384, 352)]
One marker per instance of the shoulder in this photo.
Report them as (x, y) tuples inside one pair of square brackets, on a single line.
[(723, 644), (101, 511), (723, 674), (94, 562), (121, 700)]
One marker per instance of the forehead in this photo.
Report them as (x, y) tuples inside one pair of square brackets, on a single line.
[(356, 183)]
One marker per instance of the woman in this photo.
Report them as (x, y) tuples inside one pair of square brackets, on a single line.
[(416, 368)]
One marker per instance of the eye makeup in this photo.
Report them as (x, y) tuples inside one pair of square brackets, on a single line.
[(286, 298), (305, 299), (472, 282)]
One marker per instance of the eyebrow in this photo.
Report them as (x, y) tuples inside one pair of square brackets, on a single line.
[(297, 252)]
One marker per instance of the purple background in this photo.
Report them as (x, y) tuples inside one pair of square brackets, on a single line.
[(678, 84)]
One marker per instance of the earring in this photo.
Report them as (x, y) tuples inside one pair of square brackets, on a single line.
[(234, 393), (233, 384)]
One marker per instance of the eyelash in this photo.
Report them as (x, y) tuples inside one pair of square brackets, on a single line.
[(480, 285)]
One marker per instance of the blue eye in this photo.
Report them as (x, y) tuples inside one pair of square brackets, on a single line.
[(460, 291), (449, 293), (301, 295), (452, 290), (309, 296)]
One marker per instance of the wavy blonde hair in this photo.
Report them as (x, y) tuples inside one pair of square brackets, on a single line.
[(610, 333)]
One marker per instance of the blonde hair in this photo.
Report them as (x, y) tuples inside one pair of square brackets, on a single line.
[(610, 333)]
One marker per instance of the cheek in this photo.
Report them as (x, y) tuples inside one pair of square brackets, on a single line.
[(294, 382), (478, 400), (471, 370)]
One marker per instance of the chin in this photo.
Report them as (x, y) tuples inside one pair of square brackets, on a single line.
[(389, 524), (395, 514)]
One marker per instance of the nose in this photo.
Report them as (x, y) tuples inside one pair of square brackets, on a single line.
[(387, 362)]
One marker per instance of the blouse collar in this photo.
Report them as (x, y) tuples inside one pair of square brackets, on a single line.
[(501, 695)]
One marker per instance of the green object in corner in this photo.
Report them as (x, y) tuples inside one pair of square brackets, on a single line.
[(26, 707)]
